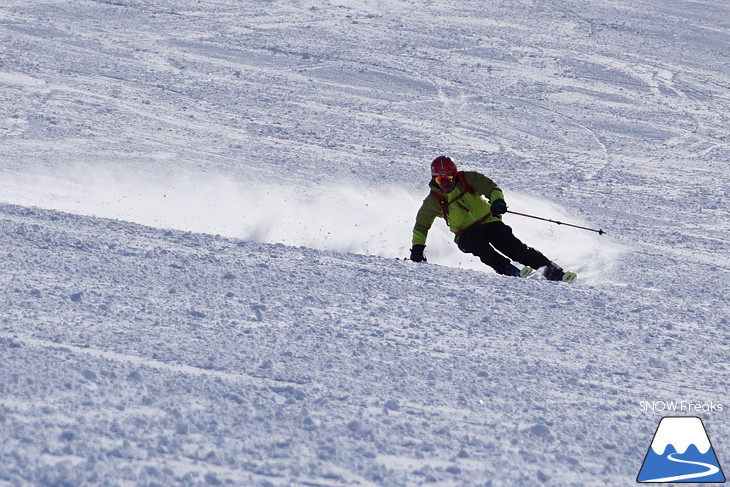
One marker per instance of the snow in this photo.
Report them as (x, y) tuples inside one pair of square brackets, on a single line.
[(204, 207)]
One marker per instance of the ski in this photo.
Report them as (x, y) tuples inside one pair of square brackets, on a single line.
[(568, 276)]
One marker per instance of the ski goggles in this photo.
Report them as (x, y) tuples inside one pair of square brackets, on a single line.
[(443, 180)]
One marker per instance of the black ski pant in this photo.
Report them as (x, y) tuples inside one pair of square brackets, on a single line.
[(485, 238)]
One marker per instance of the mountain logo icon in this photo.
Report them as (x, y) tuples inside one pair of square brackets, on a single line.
[(680, 452)]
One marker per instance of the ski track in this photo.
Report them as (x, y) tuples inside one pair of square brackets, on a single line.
[(202, 203)]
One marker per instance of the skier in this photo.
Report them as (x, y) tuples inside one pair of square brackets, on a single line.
[(477, 225)]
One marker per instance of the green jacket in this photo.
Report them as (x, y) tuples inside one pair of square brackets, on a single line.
[(464, 210)]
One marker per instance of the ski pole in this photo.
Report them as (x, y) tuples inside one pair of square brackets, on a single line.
[(600, 232)]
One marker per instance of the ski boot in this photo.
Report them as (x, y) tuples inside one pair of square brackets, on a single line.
[(553, 272), (513, 271)]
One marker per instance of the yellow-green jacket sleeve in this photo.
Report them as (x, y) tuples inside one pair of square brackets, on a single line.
[(430, 209), (483, 185)]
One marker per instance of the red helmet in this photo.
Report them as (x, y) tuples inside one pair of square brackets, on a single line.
[(443, 166)]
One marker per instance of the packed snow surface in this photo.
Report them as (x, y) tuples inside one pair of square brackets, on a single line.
[(205, 206)]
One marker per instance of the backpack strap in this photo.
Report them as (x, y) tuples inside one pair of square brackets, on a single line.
[(444, 204), (461, 177), (473, 225)]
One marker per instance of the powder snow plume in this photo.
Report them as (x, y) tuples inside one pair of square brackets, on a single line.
[(345, 218)]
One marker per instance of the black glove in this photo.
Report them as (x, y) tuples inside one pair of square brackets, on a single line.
[(499, 207), (417, 253)]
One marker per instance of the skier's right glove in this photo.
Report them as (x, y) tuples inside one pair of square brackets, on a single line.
[(417, 253), (499, 207)]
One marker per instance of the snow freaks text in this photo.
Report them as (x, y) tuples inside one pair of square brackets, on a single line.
[(680, 406)]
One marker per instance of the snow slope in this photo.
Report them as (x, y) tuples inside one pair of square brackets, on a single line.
[(202, 203)]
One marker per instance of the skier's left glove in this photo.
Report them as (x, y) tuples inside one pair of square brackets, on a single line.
[(499, 207)]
